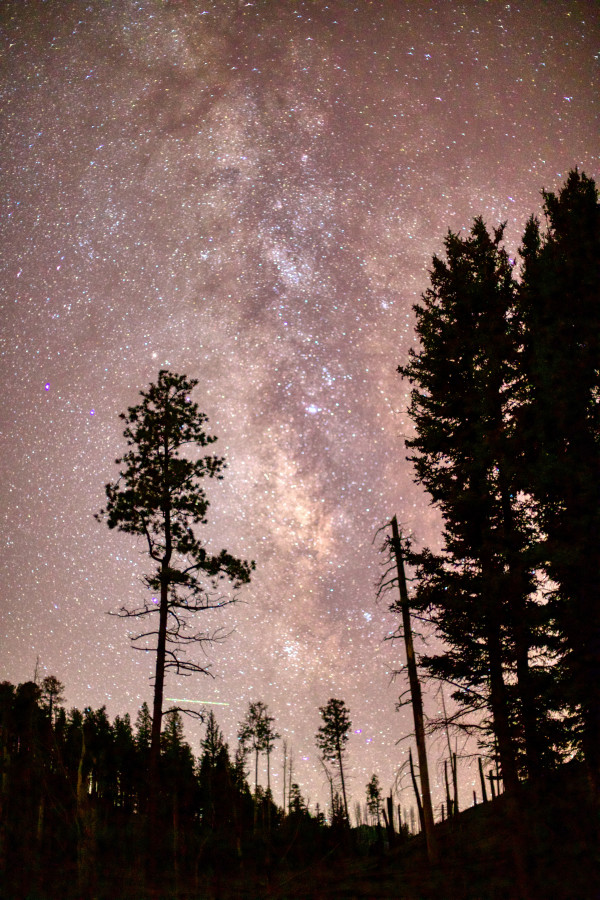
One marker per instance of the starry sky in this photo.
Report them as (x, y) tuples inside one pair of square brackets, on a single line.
[(250, 193)]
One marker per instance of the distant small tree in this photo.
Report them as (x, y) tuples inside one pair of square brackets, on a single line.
[(172, 739), (143, 727), (212, 743), (332, 737), (214, 775), (374, 799), (256, 733), (158, 497), (52, 694), (297, 802), (239, 773)]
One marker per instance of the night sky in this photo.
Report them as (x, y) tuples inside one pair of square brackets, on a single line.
[(250, 193)]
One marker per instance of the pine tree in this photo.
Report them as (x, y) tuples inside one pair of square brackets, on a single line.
[(159, 498), (374, 799), (465, 380), (143, 727), (256, 733), (559, 305), (332, 737), (52, 694), (212, 742)]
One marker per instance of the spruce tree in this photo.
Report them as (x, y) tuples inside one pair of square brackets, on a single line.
[(559, 419), (465, 376)]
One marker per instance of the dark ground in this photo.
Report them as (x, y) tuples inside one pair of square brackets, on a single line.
[(557, 830)]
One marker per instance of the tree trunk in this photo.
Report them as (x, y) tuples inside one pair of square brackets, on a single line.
[(416, 790), (521, 632), (341, 767), (269, 771), (284, 771), (448, 800), (499, 701), (161, 647), (389, 820), (455, 783), (499, 704), (482, 777), (416, 698)]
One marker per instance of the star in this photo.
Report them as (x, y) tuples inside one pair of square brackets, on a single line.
[(251, 194)]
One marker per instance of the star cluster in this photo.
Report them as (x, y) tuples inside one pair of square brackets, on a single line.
[(250, 193)]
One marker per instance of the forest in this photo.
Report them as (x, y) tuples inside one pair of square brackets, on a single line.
[(504, 386)]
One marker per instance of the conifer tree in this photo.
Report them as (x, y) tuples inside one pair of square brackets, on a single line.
[(559, 419), (52, 694), (332, 737), (465, 377), (374, 799), (256, 733), (126, 762), (143, 727), (212, 742), (159, 498)]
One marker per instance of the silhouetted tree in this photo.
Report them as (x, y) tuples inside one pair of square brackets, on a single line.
[(212, 743), (159, 498), (143, 727), (332, 737), (466, 380), (52, 693), (126, 763), (256, 733), (559, 419), (374, 799), (213, 771), (297, 802)]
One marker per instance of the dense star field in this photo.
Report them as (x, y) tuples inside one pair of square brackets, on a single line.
[(250, 193)]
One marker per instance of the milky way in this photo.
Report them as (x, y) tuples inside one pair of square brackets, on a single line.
[(251, 194)]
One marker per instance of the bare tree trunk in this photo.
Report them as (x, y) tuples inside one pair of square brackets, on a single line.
[(341, 767), (482, 777), (455, 783), (389, 820), (284, 771), (416, 789), (416, 698), (448, 800)]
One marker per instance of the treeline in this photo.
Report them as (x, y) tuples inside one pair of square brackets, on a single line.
[(75, 792), (505, 405)]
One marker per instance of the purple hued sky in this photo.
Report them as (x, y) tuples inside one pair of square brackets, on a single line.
[(250, 193)]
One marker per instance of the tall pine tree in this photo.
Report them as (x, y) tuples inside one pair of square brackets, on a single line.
[(159, 498), (559, 305), (465, 376)]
